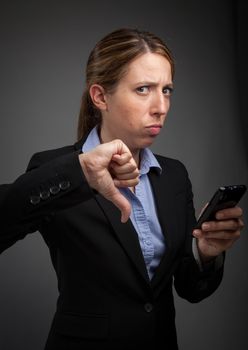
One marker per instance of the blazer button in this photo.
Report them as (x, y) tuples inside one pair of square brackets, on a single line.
[(35, 200), (44, 195), (54, 189), (64, 185), (148, 307)]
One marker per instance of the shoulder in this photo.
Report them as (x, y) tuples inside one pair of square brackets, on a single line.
[(42, 157), (171, 164), (174, 173)]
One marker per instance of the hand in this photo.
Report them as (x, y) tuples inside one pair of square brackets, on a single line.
[(108, 166), (217, 236)]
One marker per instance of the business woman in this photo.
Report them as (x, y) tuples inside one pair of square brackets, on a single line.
[(117, 219)]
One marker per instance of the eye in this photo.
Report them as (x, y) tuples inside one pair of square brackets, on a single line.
[(167, 90), (143, 90)]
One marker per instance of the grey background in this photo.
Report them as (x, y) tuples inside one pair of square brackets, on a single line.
[(44, 47)]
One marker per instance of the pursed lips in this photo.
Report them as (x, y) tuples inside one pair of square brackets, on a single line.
[(154, 129)]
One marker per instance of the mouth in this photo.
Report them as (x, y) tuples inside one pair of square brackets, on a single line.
[(154, 129)]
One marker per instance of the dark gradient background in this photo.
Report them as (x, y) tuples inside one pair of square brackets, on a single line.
[(44, 47)]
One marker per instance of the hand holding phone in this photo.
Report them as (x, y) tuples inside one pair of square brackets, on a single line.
[(224, 197)]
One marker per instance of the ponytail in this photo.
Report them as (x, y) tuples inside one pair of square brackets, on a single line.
[(89, 116)]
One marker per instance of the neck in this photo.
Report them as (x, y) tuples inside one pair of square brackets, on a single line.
[(136, 157)]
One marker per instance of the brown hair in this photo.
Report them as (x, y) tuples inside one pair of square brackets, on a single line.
[(107, 64)]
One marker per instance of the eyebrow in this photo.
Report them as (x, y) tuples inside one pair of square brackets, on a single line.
[(152, 83)]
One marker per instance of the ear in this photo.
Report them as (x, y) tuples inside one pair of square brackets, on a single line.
[(97, 95)]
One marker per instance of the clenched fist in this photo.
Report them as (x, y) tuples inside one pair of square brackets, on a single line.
[(108, 166)]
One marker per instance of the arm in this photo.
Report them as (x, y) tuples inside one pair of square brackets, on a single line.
[(37, 194), (191, 282), (61, 183)]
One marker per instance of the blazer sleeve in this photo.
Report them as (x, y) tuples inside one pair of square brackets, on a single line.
[(190, 281), (51, 183)]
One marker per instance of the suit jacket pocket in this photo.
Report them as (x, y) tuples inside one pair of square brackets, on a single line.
[(85, 326)]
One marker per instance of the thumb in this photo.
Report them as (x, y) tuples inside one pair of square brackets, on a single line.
[(122, 204)]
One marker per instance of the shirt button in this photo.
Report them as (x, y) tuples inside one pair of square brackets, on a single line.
[(148, 307)]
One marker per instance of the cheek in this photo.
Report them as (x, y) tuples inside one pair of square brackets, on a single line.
[(128, 115), (132, 118), (128, 112)]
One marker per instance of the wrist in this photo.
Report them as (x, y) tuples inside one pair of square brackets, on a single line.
[(205, 259), (83, 164)]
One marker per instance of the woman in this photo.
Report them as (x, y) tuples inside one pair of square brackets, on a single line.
[(115, 276)]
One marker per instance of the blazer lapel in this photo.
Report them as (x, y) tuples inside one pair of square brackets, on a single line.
[(125, 233), (163, 194)]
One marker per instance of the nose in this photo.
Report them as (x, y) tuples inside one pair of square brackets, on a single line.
[(160, 105)]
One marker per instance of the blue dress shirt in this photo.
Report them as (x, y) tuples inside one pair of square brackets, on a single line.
[(144, 214)]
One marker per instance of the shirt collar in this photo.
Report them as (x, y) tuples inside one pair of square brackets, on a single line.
[(92, 140), (148, 160)]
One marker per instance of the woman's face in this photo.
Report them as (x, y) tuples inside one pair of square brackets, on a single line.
[(136, 111)]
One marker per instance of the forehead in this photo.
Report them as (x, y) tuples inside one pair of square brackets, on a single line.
[(149, 67)]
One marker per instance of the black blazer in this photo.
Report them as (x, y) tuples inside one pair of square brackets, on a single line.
[(106, 299)]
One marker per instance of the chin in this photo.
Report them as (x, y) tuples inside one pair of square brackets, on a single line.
[(145, 145), (149, 142)]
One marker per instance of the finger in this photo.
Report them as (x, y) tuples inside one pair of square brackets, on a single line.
[(221, 235), (121, 148), (217, 235), (128, 176), (122, 158), (126, 183), (125, 168), (228, 225), (229, 213), (122, 204)]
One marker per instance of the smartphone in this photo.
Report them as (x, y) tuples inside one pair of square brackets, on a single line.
[(224, 197)]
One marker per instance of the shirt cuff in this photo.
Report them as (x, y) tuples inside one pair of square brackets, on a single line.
[(214, 264)]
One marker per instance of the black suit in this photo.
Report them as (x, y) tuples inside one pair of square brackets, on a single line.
[(105, 293)]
